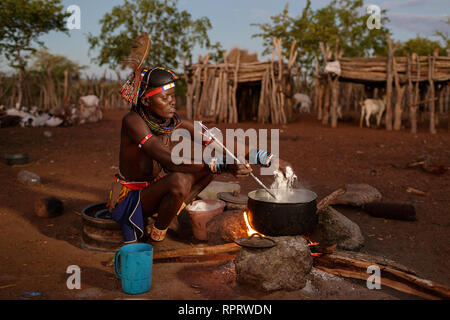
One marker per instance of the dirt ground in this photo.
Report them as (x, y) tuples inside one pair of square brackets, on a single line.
[(77, 164)]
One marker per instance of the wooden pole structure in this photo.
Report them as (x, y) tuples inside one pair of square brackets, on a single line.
[(280, 93), (234, 118), (326, 53), (400, 90), (215, 94), (416, 95), (431, 61), (66, 87), (322, 88), (335, 87), (447, 100), (289, 86), (412, 95), (317, 106), (389, 77)]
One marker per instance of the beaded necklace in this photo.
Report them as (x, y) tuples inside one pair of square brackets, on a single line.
[(154, 126)]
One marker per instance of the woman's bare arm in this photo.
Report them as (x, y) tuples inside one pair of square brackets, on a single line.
[(136, 130)]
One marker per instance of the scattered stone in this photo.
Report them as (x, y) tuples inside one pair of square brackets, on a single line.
[(48, 134), (226, 227), (282, 267), (335, 228), (358, 194), (49, 207), (28, 178)]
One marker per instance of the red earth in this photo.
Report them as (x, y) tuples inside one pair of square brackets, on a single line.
[(77, 164)]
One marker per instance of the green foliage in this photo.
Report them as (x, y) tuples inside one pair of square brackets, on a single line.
[(217, 55), (342, 19), (44, 62), (173, 33), (421, 46), (444, 35), (22, 22)]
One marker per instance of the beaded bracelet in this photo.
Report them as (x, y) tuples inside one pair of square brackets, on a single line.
[(145, 140), (207, 141), (216, 165), (261, 157)]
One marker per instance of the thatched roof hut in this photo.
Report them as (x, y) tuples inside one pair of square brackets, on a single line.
[(233, 92)]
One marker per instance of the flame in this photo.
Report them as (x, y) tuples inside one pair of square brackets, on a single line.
[(311, 244), (250, 230)]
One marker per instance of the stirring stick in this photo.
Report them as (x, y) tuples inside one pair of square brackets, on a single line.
[(235, 158)]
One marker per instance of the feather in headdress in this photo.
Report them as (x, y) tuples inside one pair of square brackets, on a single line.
[(135, 60), (140, 52)]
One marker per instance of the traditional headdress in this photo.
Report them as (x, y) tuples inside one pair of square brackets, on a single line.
[(142, 78)]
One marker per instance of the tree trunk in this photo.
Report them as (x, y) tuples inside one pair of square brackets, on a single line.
[(19, 87)]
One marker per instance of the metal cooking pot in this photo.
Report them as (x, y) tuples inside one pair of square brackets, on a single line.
[(293, 214)]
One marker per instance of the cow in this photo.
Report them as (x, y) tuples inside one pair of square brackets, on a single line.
[(372, 107)]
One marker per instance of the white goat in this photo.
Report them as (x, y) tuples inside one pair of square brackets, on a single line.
[(372, 107), (304, 101)]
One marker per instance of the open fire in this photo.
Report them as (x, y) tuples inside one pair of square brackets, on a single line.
[(251, 231)]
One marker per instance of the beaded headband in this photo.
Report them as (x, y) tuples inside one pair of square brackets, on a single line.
[(160, 89), (131, 91)]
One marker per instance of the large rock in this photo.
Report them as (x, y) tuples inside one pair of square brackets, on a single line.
[(226, 227), (335, 228), (358, 194), (282, 267)]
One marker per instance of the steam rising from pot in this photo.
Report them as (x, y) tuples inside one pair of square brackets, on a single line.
[(284, 184)]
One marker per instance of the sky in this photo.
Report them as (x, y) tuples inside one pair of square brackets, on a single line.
[(231, 23)]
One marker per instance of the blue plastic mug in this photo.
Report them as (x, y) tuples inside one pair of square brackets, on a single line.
[(133, 265)]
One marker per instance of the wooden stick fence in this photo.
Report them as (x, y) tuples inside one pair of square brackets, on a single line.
[(212, 88), (391, 72)]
